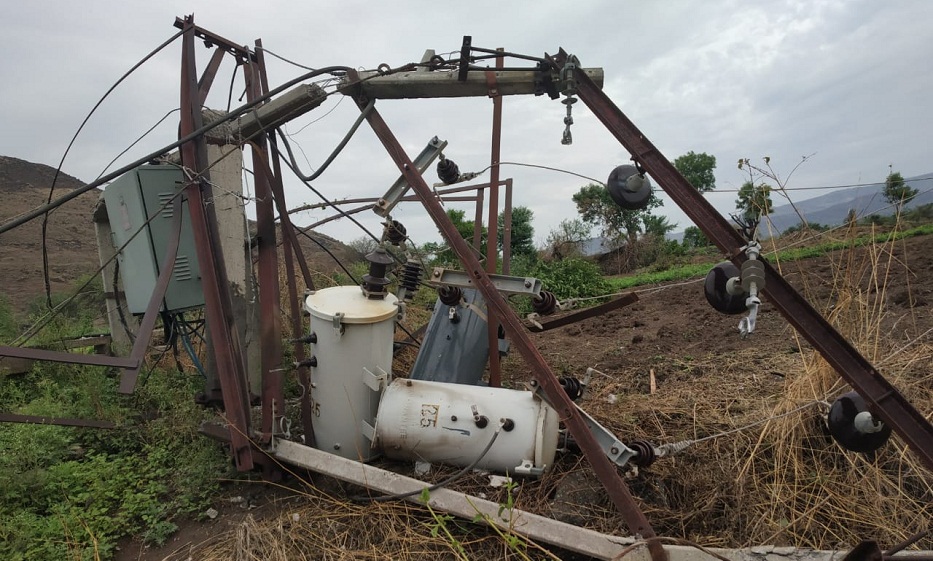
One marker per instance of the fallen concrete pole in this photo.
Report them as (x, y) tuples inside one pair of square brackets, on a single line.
[(535, 527)]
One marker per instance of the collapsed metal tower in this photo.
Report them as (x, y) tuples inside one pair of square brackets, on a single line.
[(256, 123)]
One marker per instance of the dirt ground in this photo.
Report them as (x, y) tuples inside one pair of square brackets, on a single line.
[(669, 368)]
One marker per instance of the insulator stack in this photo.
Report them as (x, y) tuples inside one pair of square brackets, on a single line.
[(410, 277), (450, 295), (395, 232), (646, 455), (544, 303), (573, 387), (753, 271), (447, 171), (374, 283)]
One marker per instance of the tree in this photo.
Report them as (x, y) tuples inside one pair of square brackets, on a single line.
[(565, 240), (697, 169), (754, 201), (442, 253), (694, 238), (523, 233), (657, 225), (897, 192), (597, 208)]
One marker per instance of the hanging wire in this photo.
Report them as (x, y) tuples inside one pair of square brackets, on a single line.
[(58, 170)]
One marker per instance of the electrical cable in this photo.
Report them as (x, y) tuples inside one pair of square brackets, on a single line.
[(676, 447), (185, 331), (328, 252), (54, 312), (45, 220), (443, 483), (283, 59), (331, 110), (137, 141), (239, 111), (340, 146), (116, 298)]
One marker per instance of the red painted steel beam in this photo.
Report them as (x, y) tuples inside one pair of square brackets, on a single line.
[(885, 401), (605, 470), (216, 287), (207, 77)]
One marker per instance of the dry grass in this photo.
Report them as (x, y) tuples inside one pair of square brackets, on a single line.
[(783, 481)]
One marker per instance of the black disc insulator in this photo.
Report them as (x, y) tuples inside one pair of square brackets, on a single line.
[(544, 303), (846, 431), (448, 171), (450, 295), (716, 290), (628, 188), (572, 387), (395, 232), (645, 450)]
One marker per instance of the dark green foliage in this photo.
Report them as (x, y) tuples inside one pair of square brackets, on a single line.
[(72, 493), (897, 192), (698, 170), (571, 278), (523, 233), (441, 254), (597, 208), (754, 200), (695, 238)]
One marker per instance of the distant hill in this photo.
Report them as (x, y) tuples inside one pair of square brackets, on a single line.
[(72, 243), (831, 209)]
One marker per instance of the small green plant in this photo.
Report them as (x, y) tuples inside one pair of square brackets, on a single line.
[(440, 526)]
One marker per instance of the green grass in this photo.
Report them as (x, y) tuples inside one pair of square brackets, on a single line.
[(686, 272), (73, 493)]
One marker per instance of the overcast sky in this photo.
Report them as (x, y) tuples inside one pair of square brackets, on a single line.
[(848, 82)]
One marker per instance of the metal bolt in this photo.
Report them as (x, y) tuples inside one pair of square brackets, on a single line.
[(437, 273), (527, 284), (614, 450), (408, 383), (337, 446), (453, 418)]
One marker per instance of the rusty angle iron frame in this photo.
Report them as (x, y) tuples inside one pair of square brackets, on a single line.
[(885, 401), (605, 470)]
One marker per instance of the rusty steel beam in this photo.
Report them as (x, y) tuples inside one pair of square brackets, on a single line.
[(207, 77), (60, 421), (270, 328), (595, 311), (211, 39), (29, 353), (147, 325), (884, 400), (507, 230), (217, 304), (605, 470), (492, 224)]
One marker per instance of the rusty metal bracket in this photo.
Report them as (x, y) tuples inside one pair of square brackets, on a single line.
[(599, 310), (885, 401)]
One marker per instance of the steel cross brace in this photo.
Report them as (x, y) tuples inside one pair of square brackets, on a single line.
[(885, 401), (605, 470)]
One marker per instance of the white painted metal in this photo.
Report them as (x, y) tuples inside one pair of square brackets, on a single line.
[(434, 422), (354, 362)]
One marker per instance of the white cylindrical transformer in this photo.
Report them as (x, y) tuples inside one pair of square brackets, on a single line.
[(352, 338), (453, 423)]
